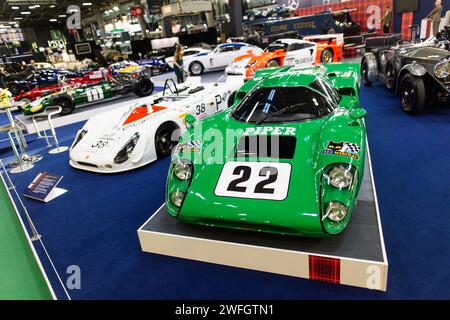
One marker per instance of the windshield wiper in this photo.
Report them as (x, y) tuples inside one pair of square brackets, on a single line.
[(285, 109)]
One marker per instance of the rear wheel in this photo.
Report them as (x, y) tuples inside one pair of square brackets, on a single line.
[(365, 73), (142, 86), (327, 56), (163, 140), (196, 68), (273, 64), (66, 103), (412, 93)]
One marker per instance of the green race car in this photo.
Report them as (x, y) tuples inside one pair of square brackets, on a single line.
[(72, 96), (287, 158)]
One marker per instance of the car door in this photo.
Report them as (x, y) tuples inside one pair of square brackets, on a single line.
[(300, 53), (222, 56)]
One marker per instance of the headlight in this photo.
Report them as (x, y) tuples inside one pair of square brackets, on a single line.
[(336, 211), (124, 153), (340, 177), (177, 198), (79, 137), (442, 69), (182, 169)]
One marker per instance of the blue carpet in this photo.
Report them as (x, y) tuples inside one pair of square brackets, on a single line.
[(94, 224)]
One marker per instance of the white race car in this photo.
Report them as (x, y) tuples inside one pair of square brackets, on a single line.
[(219, 58), (126, 138), (188, 54)]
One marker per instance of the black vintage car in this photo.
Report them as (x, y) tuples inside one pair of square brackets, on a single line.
[(415, 72)]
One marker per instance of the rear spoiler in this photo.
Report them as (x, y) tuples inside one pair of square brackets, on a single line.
[(339, 37)]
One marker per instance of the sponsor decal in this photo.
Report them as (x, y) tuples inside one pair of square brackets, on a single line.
[(345, 149), (277, 131), (189, 147)]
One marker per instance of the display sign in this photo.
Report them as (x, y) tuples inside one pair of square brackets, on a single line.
[(83, 48), (43, 187), (154, 6), (137, 11)]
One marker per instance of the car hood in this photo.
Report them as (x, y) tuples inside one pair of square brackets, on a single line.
[(427, 54), (308, 138)]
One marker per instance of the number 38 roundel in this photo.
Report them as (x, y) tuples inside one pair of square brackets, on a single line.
[(254, 180)]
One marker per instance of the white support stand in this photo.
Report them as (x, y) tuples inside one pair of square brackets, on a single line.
[(49, 116)]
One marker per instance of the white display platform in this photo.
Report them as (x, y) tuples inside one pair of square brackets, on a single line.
[(357, 257)]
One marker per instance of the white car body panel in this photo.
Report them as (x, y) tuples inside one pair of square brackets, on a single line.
[(188, 54), (221, 56), (107, 133)]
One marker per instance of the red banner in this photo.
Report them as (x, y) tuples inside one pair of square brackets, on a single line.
[(368, 13)]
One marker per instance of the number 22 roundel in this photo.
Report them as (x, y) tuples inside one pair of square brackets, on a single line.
[(254, 180)]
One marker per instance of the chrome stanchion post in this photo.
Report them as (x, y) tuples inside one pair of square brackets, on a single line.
[(58, 148)]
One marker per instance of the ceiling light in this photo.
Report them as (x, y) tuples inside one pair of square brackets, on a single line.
[(87, 4), (52, 6), (116, 8), (25, 12), (53, 20), (32, 7), (15, 8), (18, 18), (62, 16)]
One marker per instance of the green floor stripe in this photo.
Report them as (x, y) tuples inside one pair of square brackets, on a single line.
[(20, 275)]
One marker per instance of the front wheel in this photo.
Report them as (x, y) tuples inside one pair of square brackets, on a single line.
[(365, 73), (273, 64), (142, 86), (412, 94), (196, 68), (163, 140), (391, 76), (327, 56), (66, 103)]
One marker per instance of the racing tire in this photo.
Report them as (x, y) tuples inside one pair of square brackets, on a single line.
[(273, 64), (231, 99), (327, 56), (142, 86), (65, 102), (196, 68), (163, 140), (412, 94), (365, 73), (391, 76)]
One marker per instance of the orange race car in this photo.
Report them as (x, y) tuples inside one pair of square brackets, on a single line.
[(322, 48), (329, 47)]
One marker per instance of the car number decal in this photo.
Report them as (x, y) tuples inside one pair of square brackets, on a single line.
[(94, 94), (254, 180)]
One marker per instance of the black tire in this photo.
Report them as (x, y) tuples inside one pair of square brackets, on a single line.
[(196, 68), (365, 73), (391, 76), (163, 140), (412, 94), (14, 89), (142, 86), (65, 102), (231, 99), (273, 64), (327, 56)]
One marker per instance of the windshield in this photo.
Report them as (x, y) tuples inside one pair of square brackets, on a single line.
[(276, 46), (282, 104)]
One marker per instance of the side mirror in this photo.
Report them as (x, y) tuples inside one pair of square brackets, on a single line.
[(190, 121), (356, 115)]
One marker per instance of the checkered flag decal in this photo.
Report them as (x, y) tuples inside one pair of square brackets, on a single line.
[(351, 147), (194, 144)]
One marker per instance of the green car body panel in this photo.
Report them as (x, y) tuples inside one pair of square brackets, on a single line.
[(80, 96), (301, 212)]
